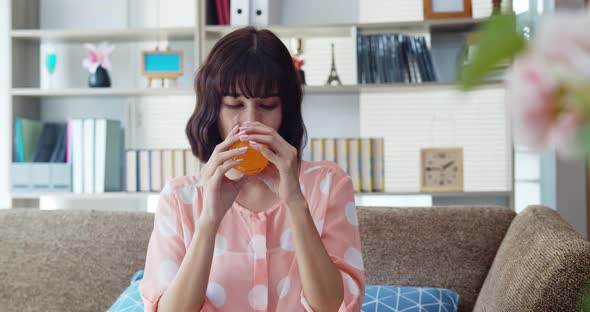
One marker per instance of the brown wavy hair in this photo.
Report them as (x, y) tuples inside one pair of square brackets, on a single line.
[(257, 63)]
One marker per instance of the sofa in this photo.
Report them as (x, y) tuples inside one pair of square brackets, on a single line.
[(496, 260)]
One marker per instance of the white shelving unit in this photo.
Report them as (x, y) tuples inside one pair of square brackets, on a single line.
[(25, 93)]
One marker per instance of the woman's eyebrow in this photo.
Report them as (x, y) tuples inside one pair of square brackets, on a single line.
[(237, 95)]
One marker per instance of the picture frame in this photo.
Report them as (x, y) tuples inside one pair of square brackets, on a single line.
[(447, 9), (162, 64)]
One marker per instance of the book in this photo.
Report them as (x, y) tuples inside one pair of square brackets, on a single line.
[(330, 149), (366, 170), (144, 171), (317, 150), (354, 165), (59, 153), (77, 154), (378, 162), (88, 163), (167, 166), (192, 164), (342, 154), (27, 135), (178, 163), (132, 171), (156, 170), (108, 153)]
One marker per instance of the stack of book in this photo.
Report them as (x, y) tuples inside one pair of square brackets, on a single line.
[(149, 170), (392, 58), (95, 149), (91, 148), (361, 158)]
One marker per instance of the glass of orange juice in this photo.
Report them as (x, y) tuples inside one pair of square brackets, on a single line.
[(254, 162)]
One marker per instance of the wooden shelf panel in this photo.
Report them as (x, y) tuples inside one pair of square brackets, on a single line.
[(115, 35), (36, 92)]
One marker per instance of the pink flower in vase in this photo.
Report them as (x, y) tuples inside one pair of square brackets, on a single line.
[(97, 56)]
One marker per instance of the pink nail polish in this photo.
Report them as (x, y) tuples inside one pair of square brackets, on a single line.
[(243, 137), (253, 143), (242, 132)]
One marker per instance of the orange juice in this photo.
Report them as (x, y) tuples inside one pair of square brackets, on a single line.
[(254, 162)]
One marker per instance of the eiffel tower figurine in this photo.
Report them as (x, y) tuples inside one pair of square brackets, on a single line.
[(333, 73)]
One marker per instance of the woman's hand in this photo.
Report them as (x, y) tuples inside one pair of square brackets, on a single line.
[(219, 192), (282, 176)]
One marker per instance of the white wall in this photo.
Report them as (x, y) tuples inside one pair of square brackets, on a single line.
[(5, 107)]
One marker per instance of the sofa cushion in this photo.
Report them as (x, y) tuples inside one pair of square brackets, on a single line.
[(409, 299), (542, 265), (442, 247), (130, 300), (68, 260)]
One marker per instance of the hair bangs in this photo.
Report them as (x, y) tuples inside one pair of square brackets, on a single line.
[(252, 77)]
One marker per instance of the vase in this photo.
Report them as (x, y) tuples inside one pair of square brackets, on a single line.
[(100, 78)]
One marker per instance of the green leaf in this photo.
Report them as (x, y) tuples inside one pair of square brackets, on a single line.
[(584, 140), (586, 299), (498, 40)]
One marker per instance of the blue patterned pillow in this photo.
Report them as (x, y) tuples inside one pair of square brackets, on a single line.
[(409, 299), (129, 300)]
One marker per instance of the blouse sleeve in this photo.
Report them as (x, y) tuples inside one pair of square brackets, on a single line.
[(341, 238), (165, 251)]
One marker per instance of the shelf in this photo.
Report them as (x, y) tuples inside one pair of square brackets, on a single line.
[(140, 34), (313, 89), (124, 195), (36, 92), (346, 30)]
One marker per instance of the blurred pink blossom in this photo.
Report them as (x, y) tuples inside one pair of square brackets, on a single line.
[(542, 85), (97, 55)]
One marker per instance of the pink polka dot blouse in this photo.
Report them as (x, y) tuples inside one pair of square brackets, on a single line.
[(254, 265)]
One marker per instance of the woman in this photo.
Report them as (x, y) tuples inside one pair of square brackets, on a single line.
[(284, 240)]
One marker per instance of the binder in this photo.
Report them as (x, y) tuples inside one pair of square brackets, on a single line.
[(240, 12), (366, 165), (330, 149), (88, 164), (378, 164), (317, 149), (265, 12), (342, 154), (354, 163), (144, 171), (156, 170), (132, 171)]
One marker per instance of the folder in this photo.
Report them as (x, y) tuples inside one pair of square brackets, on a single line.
[(265, 12), (240, 12)]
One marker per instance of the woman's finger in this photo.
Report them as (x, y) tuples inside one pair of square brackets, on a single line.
[(225, 167), (222, 157), (272, 157), (230, 140)]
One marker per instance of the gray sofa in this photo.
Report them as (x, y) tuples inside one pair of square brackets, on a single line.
[(496, 260)]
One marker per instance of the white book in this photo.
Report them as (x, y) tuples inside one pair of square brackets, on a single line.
[(156, 170), (366, 165), (144, 171), (330, 149), (100, 154), (354, 165), (178, 163), (342, 154), (378, 151), (167, 166), (77, 155), (317, 149), (88, 170), (240, 12), (192, 164), (131, 171)]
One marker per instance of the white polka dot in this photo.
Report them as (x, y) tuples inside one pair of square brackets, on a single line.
[(258, 297), (302, 187), (287, 241), (354, 257), (283, 287), (305, 303), (199, 184), (352, 286), (325, 184), (310, 169), (351, 215), (187, 236), (167, 189), (187, 194), (220, 245), (319, 225), (167, 226), (257, 247), (216, 294), (168, 270)]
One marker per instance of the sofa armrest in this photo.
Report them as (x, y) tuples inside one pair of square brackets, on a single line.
[(542, 265)]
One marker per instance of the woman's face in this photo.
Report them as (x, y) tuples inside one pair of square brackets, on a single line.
[(237, 109)]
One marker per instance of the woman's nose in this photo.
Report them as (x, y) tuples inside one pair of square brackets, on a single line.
[(248, 115)]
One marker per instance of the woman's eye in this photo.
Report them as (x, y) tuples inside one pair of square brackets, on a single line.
[(235, 106), (268, 107)]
